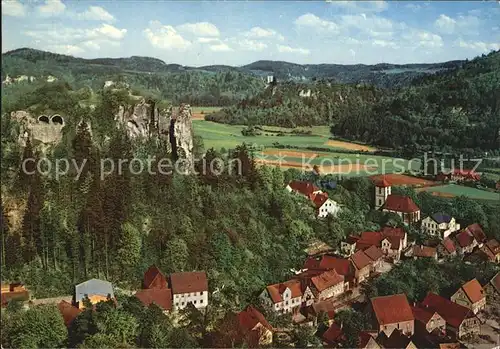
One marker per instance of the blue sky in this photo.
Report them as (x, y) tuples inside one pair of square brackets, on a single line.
[(236, 33)]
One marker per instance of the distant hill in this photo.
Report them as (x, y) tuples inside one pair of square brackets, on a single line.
[(380, 75)]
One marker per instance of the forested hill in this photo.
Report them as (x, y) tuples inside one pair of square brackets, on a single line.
[(459, 109), (215, 84)]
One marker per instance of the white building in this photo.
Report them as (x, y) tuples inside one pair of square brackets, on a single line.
[(382, 191), (440, 224), (324, 205), (270, 79), (287, 296), (189, 287)]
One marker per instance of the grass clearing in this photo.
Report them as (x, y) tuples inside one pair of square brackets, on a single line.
[(199, 113), (452, 190)]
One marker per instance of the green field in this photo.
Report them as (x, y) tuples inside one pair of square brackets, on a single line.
[(219, 136), (457, 190), (204, 110)]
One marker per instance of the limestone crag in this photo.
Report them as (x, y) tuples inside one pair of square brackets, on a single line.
[(142, 120), (44, 129), (181, 137)]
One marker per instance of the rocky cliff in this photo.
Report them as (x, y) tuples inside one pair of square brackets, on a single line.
[(42, 130), (181, 137)]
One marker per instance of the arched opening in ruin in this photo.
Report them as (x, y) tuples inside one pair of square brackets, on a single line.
[(43, 118), (57, 119)]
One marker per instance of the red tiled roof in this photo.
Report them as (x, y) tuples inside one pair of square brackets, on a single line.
[(464, 239), (400, 203), (453, 313), (494, 246), (333, 334), (162, 297), (448, 245), (396, 232), (484, 252), (392, 309), (371, 238), (424, 251), (276, 291), (374, 253), (250, 317), (68, 312), (476, 231), (423, 315), (352, 239), (360, 260), (327, 279), (381, 182), (395, 242), (318, 199), (364, 337), (305, 188), (187, 282), (473, 290), (151, 274), (341, 265)]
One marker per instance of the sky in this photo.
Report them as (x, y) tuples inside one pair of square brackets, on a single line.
[(197, 33)]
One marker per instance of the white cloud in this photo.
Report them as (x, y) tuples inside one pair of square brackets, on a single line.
[(96, 13), (288, 49), (424, 38), (312, 21), (66, 49), (165, 37), (207, 40), (448, 25), (13, 8), (109, 31), (361, 6), (252, 45), (221, 47), (261, 33), (478, 46), (91, 45), (384, 43), (199, 29), (51, 8)]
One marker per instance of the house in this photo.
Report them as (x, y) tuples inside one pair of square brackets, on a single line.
[(494, 247), (477, 232), (382, 191), (288, 296), (471, 295), (446, 248), (341, 265), (362, 266), (162, 297), (366, 340), (428, 321), (464, 176), (324, 206), (68, 312), (348, 246), (440, 224), (333, 336), (459, 319), (13, 292), (396, 232), (492, 289), (376, 256), (424, 252), (328, 284), (397, 340), (189, 287), (255, 329), (402, 206), (303, 188), (464, 242), (154, 278), (392, 241), (391, 313), (95, 290)]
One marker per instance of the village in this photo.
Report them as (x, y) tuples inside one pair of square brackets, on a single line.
[(331, 279)]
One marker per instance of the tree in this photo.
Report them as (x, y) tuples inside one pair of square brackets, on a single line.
[(38, 327), (129, 249), (122, 327), (176, 255)]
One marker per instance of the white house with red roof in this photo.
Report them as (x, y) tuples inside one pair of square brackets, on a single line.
[(287, 296), (328, 284), (392, 313), (401, 205), (189, 287), (324, 205), (471, 295)]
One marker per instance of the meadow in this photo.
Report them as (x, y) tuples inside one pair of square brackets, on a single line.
[(452, 190)]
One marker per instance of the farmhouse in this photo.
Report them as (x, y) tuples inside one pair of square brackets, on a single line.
[(328, 284), (162, 297), (254, 328), (428, 321), (477, 232), (464, 241), (392, 313), (459, 319), (362, 266), (303, 188), (446, 248), (189, 287), (154, 278), (424, 252), (440, 224), (471, 295), (494, 247), (333, 336), (95, 290), (324, 205), (376, 256)]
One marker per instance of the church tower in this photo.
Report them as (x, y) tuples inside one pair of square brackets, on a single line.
[(382, 191)]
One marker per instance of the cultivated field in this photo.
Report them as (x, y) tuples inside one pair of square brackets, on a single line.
[(400, 179), (349, 146), (199, 113), (452, 190)]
